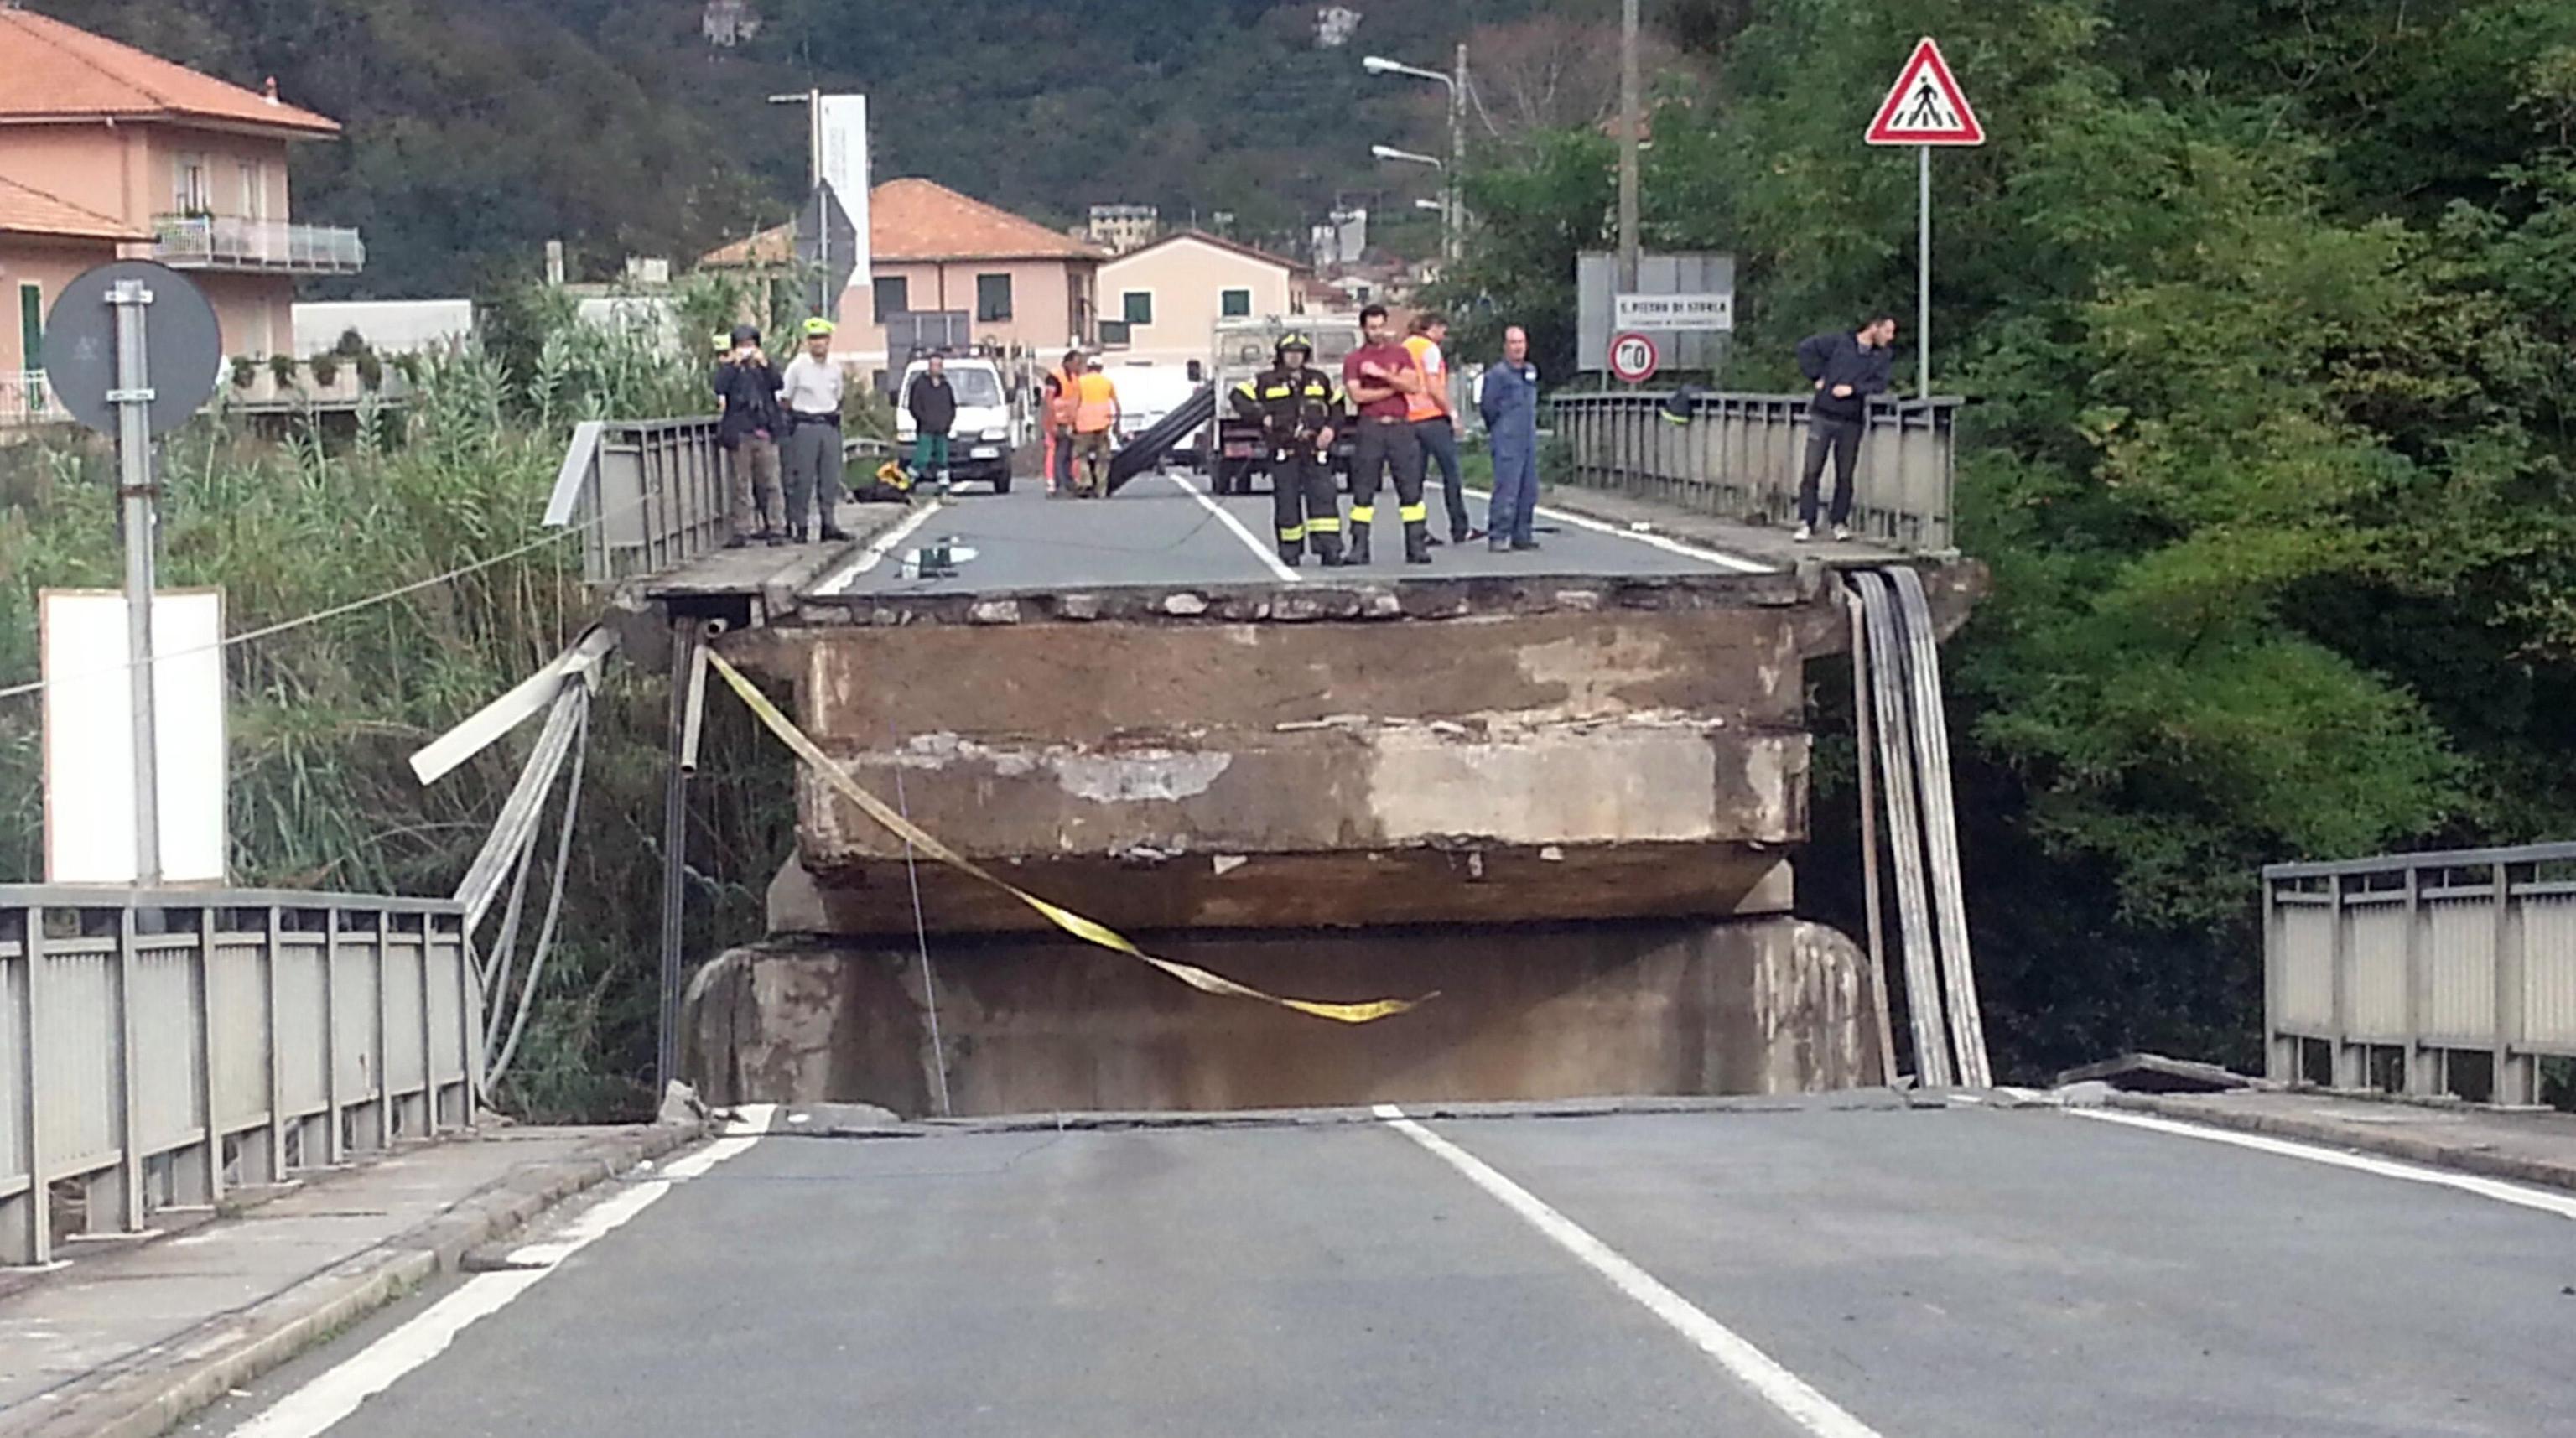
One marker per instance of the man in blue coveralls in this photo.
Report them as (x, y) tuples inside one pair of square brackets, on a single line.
[(1509, 403)]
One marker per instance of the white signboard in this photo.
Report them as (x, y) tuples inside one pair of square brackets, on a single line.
[(1673, 312), (842, 131), (89, 736)]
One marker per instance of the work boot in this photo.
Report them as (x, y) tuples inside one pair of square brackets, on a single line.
[(1417, 543), (834, 534), (1359, 551), (1291, 555), (776, 538), (1328, 553)]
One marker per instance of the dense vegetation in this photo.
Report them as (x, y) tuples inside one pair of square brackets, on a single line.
[(2265, 306)]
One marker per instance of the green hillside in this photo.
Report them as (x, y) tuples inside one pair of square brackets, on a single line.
[(478, 129)]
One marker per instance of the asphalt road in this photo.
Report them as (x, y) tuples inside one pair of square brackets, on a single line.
[(1963, 1272), (1165, 529)]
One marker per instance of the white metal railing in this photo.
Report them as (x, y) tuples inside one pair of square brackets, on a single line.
[(159, 1046), (230, 242), (2385, 972), (1739, 456), (650, 495), (26, 398)]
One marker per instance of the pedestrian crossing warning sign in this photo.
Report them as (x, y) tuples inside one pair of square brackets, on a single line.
[(1926, 107)]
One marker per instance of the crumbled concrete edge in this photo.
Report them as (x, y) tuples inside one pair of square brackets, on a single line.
[(2460, 1156), (203, 1366)]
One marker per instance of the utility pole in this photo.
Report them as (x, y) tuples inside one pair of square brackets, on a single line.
[(133, 400), (1457, 216), (1630, 122)]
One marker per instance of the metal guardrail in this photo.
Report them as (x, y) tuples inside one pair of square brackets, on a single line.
[(650, 495), (230, 242), (1738, 457), (2390, 970), (261, 1033)]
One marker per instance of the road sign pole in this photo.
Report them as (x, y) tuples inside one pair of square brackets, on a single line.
[(1923, 277), (132, 399)]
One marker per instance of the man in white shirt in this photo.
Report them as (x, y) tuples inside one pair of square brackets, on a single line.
[(810, 393)]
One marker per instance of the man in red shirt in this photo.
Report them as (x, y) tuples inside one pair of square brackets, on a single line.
[(1380, 378)]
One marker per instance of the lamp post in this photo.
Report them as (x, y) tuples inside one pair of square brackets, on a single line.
[(1630, 122), (1446, 207), (1455, 216)]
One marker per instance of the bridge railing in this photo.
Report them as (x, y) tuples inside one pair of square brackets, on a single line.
[(158, 1047), (1738, 457), (651, 495), (2423, 973)]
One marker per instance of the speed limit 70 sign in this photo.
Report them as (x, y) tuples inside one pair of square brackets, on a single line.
[(1633, 356)]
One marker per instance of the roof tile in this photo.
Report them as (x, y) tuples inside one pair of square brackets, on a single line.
[(25, 210), (924, 220), (89, 76)]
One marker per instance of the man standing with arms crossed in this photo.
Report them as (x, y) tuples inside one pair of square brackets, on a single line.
[(1509, 404), (1847, 368), (1434, 427), (810, 392), (932, 403), (1378, 377)]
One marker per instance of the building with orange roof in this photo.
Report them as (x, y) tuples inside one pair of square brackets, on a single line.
[(933, 250), (106, 150)]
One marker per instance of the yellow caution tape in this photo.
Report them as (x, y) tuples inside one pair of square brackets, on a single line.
[(1065, 919)]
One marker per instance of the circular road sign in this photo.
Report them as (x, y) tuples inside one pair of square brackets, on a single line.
[(1633, 357), (183, 346)]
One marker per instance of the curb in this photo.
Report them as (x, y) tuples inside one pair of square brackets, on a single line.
[(205, 1364), (2464, 1157)]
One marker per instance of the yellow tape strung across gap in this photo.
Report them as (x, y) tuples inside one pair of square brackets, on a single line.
[(1065, 919)]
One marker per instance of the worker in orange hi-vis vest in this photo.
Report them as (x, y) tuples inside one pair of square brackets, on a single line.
[(1434, 427), (1095, 418), (1060, 402)]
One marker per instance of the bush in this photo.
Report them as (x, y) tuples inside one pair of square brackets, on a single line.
[(371, 371), (245, 371), (352, 344), (282, 366), (326, 369)]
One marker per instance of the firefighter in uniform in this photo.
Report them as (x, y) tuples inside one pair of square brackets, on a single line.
[(1296, 408)]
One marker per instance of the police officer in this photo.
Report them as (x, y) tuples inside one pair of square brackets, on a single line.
[(1296, 408)]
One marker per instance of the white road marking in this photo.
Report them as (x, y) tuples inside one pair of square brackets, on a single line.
[(878, 548), (1803, 1405), (2561, 1204), (1263, 552), (322, 1403), (1665, 542)]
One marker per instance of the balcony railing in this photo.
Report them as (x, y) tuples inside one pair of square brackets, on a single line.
[(200, 242), (26, 399)]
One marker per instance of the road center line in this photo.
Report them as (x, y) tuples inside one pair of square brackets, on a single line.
[(2563, 1205), (1775, 1385), (322, 1403), (869, 558), (1665, 542), (1263, 552)]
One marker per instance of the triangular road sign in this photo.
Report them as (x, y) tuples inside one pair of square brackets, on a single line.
[(1926, 107)]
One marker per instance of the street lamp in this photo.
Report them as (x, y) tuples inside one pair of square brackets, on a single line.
[(1456, 218)]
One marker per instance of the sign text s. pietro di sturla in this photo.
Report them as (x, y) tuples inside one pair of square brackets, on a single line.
[(1673, 312)]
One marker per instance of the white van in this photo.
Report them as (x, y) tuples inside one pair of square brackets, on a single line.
[(1147, 395), (979, 444)]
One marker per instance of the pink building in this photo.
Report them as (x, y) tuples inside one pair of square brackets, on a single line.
[(935, 251), (107, 151)]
